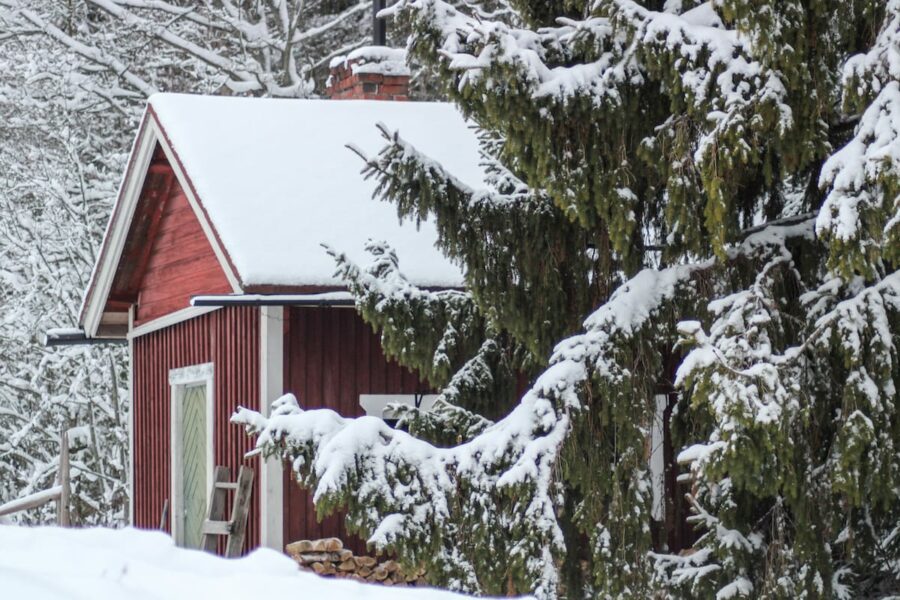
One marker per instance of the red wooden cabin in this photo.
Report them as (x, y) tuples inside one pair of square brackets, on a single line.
[(230, 199)]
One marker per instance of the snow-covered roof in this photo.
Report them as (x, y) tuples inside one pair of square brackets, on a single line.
[(276, 180)]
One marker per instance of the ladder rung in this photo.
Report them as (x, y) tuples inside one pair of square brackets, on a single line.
[(217, 527), (226, 485)]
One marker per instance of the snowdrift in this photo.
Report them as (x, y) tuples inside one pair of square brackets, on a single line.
[(50, 563)]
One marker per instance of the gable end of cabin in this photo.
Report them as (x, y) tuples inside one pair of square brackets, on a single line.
[(327, 356)]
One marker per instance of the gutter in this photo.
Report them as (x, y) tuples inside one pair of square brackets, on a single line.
[(324, 299), (77, 337)]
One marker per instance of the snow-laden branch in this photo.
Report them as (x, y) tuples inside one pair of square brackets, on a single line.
[(730, 110), (92, 53), (248, 81), (759, 391), (436, 334), (482, 228), (716, 72), (353, 11), (715, 68), (861, 215), (270, 48), (180, 12), (405, 494), (865, 75), (474, 46)]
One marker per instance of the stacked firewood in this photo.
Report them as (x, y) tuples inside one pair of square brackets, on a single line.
[(329, 558)]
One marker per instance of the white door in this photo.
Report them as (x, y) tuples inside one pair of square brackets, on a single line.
[(194, 463), (191, 450)]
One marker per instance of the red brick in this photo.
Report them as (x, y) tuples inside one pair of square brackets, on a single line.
[(396, 80), (393, 89), (370, 77), (369, 86)]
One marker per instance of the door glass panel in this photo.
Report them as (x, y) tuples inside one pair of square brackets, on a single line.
[(193, 427)]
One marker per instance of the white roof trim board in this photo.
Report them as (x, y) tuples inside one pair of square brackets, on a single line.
[(104, 271), (271, 181)]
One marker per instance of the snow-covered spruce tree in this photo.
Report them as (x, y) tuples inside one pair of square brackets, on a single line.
[(717, 181)]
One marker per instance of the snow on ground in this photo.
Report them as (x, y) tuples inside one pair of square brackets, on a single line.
[(50, 563)]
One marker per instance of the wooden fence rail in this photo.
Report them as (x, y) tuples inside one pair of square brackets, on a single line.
[(59, 493)]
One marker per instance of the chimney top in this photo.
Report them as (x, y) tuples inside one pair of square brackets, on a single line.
[(369, 73)]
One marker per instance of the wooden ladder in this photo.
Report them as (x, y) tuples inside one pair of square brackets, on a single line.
[(215, 523)]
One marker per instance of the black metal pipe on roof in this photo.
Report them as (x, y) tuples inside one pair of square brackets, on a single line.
[(379, 26), (79, 339)]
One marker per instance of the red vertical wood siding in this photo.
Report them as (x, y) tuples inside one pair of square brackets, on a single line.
[(181, 262), (229, 338), (331, 357)]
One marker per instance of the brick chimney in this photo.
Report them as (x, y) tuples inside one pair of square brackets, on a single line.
[(369, 73)]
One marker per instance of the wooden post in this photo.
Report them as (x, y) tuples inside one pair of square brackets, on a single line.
[(63, 476), (239, 512)]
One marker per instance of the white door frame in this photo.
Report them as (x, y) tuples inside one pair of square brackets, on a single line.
[(179, 381)]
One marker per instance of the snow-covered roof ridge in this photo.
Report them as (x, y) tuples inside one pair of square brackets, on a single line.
[(276, 180)]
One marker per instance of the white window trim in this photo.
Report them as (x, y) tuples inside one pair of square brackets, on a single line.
[(376, 405), (179, 381)]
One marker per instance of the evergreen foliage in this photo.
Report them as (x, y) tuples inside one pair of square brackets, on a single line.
[(710, 182)]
